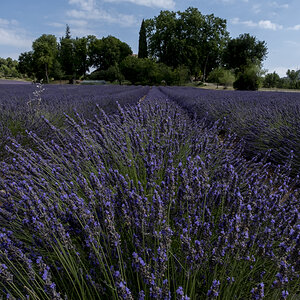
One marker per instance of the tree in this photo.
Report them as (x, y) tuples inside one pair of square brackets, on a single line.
[(107, 52), (293, 76), (8, 67), (66, 55), (147, 71), (215, 76), (249, 78), (81, 64), (187, 38), (227, 78), (242, 51), (221, 76), (26, 64), (45, 53), (162, 38), (143, 50), (271, 80)]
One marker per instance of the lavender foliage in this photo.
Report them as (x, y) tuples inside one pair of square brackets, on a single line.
[(146, 203), (24, 107), (265, 120)]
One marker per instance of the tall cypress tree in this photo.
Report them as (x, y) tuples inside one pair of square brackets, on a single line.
[(143, 52), (66, 55)]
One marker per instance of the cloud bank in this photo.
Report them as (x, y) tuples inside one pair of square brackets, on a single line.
[(263, 24), (166, 4)]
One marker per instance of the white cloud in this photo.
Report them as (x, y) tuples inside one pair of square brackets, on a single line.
[(13, 38), (87, 5), (88, 10), (11, 35), (237, 21), (264, 24), (296, 27), (278, 5), (166, 4), (267, 24), (4, 22), (102, 15), (256, 8)]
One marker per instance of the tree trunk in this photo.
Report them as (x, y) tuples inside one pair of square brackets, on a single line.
[(204, 70), (46, 72)]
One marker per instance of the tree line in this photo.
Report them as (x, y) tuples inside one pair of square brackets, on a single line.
[(9, 68), (174, 47), (71, 58)]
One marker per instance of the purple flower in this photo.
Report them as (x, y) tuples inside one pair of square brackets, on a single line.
[(213, 291), (284, 294), (258, 292)]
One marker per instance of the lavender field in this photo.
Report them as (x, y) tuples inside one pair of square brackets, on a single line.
[(123, 192)]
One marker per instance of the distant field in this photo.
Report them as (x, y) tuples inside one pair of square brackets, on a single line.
[(213, 86), (8, 81)]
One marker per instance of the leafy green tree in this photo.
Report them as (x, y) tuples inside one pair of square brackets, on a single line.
[(4, 70), (81, 62), (113, 73), (107, 52), (162, 41), (147, 71), (221, 76), (293, 77), (9, 68), (134, 69), (227, 78), (45, 50), (271, 80), (242, 51), (213, 41), (187, 38), (26, 64), (215, 76), (180, 75), (249, 78), (143, 48)]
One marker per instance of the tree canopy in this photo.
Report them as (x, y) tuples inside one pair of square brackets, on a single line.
[(244, 50), (8, 67), (180, 45), (45, 50), (187, 38), (71, 58), (107, 52)]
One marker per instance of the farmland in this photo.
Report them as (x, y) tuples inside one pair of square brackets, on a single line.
[(132, 192)]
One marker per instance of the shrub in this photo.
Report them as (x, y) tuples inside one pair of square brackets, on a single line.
[(221, 76), (248, 79), (271, 80)]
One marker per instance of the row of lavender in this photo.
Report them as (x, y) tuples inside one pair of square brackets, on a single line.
[(23, 107), (146, 204), (265, 120)]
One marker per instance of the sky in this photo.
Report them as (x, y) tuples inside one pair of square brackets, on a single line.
[(275, 22)]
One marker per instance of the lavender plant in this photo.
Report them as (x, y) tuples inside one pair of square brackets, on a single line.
[(24, 107), (146, 204), (264, 120)]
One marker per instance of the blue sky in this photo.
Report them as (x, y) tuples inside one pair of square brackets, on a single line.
[(276, 22)]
